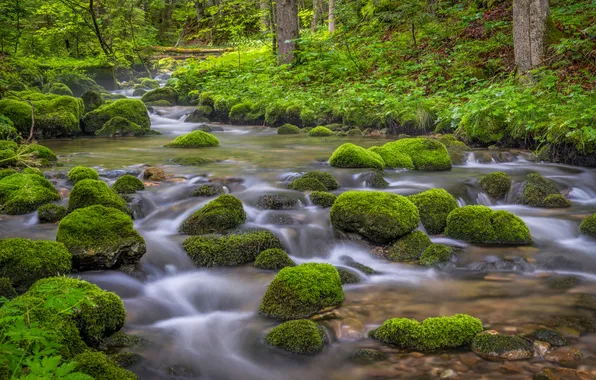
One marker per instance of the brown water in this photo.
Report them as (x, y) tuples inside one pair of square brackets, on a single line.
[(203, 323)]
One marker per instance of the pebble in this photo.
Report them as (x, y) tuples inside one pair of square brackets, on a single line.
[(469, 359), (541, 348), (564, 355), (448, 374), (417, 354)]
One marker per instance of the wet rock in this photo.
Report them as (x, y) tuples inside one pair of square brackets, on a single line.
[(280, 219), (119, 173), (208, 190), (559, 262), (276, 202), (586, 301), (349, 261), (512, 264), (561, 374), (448, 374), (541, 348), (552, 337), (140, 206), (125, 359), (564, 355), (351, 329), (576, 322), (491, 345), (374, 179), (154, 174), (347, 276), (563, 282), (367, 356)]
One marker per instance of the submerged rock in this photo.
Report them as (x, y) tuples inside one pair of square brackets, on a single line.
[(564, 355), (154, 174), (347, 276), (549, 336), (208, 190), (223, 213), (51, 213), (350, 262), (375, 180), (436, 254), (494, 346), (558, 373), (513, 264), (367, 356), (300, 337), (276, 202)]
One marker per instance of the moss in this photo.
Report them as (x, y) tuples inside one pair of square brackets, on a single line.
[(159, 103), (380, 217), (6, 172), (92, 100), (587, 226), (233, 249), (51, 213), (223, 106), (34, 171), (325, 178), (352, 156), (199, 115), (367, 356), (426, 154), (24, 193), (125, 358), (434, 206), (191, 161), (432, 334), (6, 289), (322, 199), (25, 261), (100, 237), (128, 184), (159, 94), (89, 192), (60, 89), (208, 190), (452, 143), (496, 184), (409, 247), (207, 99), (274, 258), (288, 129), (7, 158), (536, 188), (276, 202), (139, 92), (436, 254), (498, 345), (347, 276), (556, 201), (320, 132), (121, 127), (302, 291), (8, 145), (149, 83), (132, 110), (300, 337), (100, 367), (307, 184), (350, 262), (79, 173), (195, 139), (42, 154), (355, 132), (240, 113), (480, 224), (222, 213), (375, 180), (549, 336)]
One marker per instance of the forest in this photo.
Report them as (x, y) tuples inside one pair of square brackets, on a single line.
[(297, 189)]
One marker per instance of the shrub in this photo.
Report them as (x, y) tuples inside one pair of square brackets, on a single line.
[(222, 213), (496, 184), (301, 291), (128, 184), (79, 173), (380, 217), (240, 113), (299, 337), (436, 254), (409, 247), (89, 192), (208, 190), (288, 129), (434, 206), (307, 184), (322, 199), (352, 156), (426, 154), (24, 193), (320, 132), (195, 139), (274, 258), (325, 178), (160, 94), (132, 110), (51, 213)]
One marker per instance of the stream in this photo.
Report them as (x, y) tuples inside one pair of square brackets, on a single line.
[(203, 323)]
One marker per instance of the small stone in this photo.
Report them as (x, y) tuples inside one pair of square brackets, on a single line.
[(564, 355), (448, 374), (367, 356), (562, 374), (568, 332), (541, 348), (552, 337), (468, 359), (154, 174), (417, 354)]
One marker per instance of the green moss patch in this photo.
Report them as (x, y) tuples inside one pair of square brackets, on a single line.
[(353, 156), (220, 214), (51, 213), (536, 189), (194, 139), (496, 184), (121, 127), (191, 161), (128, 184), (208, 190), (320, 132), (409, 247), (165, 93), (100, 367), (434, 206), (393, 159), (322, 199), (89, 192), (79, 173), (276, 202), (288, 129), (325, 178), (307, 184), (24, 193), (274, 258), (132, 110), (300, 337), (499, 346), (587, 226), (436, 254), (426, 154)]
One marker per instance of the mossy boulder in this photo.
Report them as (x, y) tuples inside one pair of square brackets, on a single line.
[(200, 115), (89, 192), (51, 213), (493, 346), (496, 184), (58, 88), (228, 250), (482, 225), (375, 179), (241, 113), (276, 202), (431, 334), (159, 103), (128, 184), (100, 237), (221, 214), (208, 190), (307, 184), (550, 336), (274, 258), (347, 276), (7, 172), (79, 173), (353, 156), (378, 216), (24, 261), (325, 178), (436, 254), (452, 143), (299, 337), (393, 159), (132, 110), (434, 206), (8, 145), (41, 155), (191, 161), (301, 291), (97, 365), (355, 132), (7, 158), (320, 132), (34, 171), (536, 189), (409, 247), (121, 127), (92, 100), (322, 199), (194, 139), (587, 226), (24, 193), (288, 129), (426, 154), (166, 93)]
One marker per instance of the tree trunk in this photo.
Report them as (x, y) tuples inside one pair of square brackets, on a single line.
[(287, 30), (431, 6), (317, 7), (104, 46), (331, 16), (264, 10), (529, 33)]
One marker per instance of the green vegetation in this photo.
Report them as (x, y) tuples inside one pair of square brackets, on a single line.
[(299, 337), (375, 179), (89, 192), (409, 247), (208, 190), (121, 127), (288, 129), (128, 184), (51, 213), (301, 291), (496, 184), (538, 191), (587, 226), (24, 193), (195, 139), (191, 161), (352, 156), (393, 159), (228, 250), (274, 258), (378, 216), (434, 206), (320, 132), (426, 154), (480, 224), (98, 365), (322, 199), (307, 184), (166, 94), (79, 173), (325, 178), (221, 214), (276, 202), (499, 346), (347, 276), (132, 110), (436, 254)]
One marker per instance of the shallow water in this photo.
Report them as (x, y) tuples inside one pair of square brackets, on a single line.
[(203, 323)]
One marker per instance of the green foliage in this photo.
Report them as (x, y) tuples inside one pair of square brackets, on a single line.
[(274, 258), (300, 337), (322, 199), (496, 184), (320, 132), (195, 139), (89, 192), (301, 291), (222, 213), (436, 254), (24, 193), (434, 206), (352, 156), (128, 184), (380, 217), (307, 184), (132, 110), (60, 89), (409, 247), (165, 93), (98, 365), (432, 334), (288, 129), (79, 173), (121, 127), (241, 113), (51, 213)]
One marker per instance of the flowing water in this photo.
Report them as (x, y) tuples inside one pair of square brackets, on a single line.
[(203, 323)]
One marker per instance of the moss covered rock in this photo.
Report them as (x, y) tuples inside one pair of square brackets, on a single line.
[(51, 213), (322, 199), (550, 336), (320, 132), (241, 113), (536, 189), (307, 184), (24, 261), (347, 276), (302, 291), (375, 179), (208, 190), (482, 225), (79, 173), (493, 346), (194, 139), (436, 254), (100, 237), (288, 129), (132, 110), (409, 247), (276, 202), (367, 356), (426, 154), (434, 206), (587, 226), (89, 192), (7, 172), (166, 93), (8, 145), (100, 367), (432, 334), (353, 156), (380, 217), (325, 178), (92, 100), (393, 159), (41, 155), (200, 115), (128, 184), (227, 250), (556, 201), (121, 127), (58, 88), (300, 337), (496, 184), (274, 258), (24, 193), (220, 214), (191, 161)]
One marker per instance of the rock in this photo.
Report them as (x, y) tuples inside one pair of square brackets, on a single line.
[(320, 132), (425, 153), (121, 127), (588, 226), (374, 179), (325, 178), (434, 206), (194, 139), (221, 214), (352, 156), (541, 348), (436, 255), (79, 173), (367, 356), (128, 184), (51, 213), (120, 173), (191, 161), (307, 184), (159, 94), (409, 247), (536, 189), (448, 374), (288, 129), (24, 193), (496, 184), (513, 264), (347, 276), (299, 337), (350, 262), (89, 192), (560, 262), (322, 199), (274, 258), (393, 159), (208, 190), (561, 374), (494, 346), (276, 202), (154, 174), (564, 355), (132, 110)]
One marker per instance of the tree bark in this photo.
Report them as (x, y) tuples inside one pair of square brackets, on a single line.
[(331, 16), (264, 9), (529, 33), (317, 7), (287, 30)]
